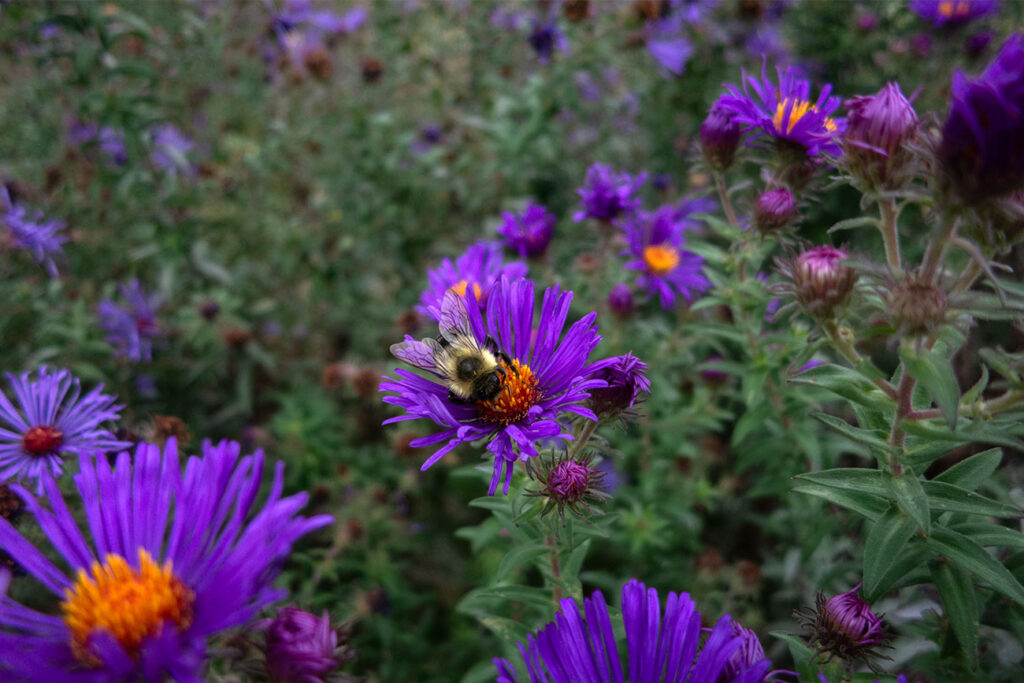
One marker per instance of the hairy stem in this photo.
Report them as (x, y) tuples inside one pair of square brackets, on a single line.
[(582, 438), (903, 408), (890, 234), (847, 350), (936, 249), (723, 196)]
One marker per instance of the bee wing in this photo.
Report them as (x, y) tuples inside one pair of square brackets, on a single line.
[(454, 324), (417, 353)]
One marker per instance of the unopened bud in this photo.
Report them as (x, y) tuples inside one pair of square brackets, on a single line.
[(845, 627), (626, 380), (620, 300), (774, 210), (301, 647), (821, 282), (719, 138), (878, 128)]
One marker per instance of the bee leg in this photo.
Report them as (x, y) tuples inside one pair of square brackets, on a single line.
[(507, 361)]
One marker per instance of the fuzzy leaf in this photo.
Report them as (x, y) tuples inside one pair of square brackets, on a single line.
[(949, 498), (909, 494), (885, 543), (872, 438), (961, 607), (518, 556), (867, 505), (905, 569), (971, 473), (969, 555), (844, 382), (850, 478), (991, 535)]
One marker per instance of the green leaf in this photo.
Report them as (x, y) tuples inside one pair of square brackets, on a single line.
[(971, 473), (872, 438), (517, 557), (802, 655), (954, 584), (483, 598), (844, 382), (850, 223), (905, 570), (572, 566), (850, 478), (949, 498), (885, 543), (933, 368), (967, 554), (969, 432), (906, 489), (991, 535), (867, 505)]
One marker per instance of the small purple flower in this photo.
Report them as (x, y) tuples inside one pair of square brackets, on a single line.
[(29, 230), (655, 241), (607, 194), (667, 44), (719, 137), (131, 328), (109, 140), (529, 232), (878, 129), (545, 37), (982, 148), (620, 299), (549, 376), (169, 149), (626, 380), (845, 627), (300, 647), (479, 267), (953, 12), (167, 560), (662, 645), (785, 112), (50, 419)]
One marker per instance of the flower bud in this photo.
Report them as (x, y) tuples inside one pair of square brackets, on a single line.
[(749, 654), (620, 300), (916, 307), (626, 379), (570, 483), (719, 138), (300, 647), (821, 282), (845, 627), (878, 128), (774, 210)]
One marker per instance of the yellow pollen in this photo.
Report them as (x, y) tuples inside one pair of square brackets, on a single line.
[(660, 258), (949, 8), (519, 393), (461, 286), (130, 604)]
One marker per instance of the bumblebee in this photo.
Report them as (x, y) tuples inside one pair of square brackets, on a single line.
[(472, 372)]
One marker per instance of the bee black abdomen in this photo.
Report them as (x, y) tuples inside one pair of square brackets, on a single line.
[(467, 368)]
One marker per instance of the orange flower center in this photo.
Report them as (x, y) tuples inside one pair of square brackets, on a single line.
[(519, 393), (42, 440), (949, 9), (660, 258), (129, 604), (461, 286), (800, 108)]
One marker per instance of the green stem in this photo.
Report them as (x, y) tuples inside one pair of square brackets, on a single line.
[(582, 438), (723, 196), (890, 233), (847, 350), (903, 408), (556, 570), (967, 278), (936, 249)]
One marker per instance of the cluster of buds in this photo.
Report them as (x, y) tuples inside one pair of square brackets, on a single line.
[(875, 144), (821, 282), (844, 626)]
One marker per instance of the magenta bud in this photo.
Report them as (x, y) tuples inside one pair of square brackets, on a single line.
[(719, 137), (300, 647), (774, 210), (878, 128), (620, 300)]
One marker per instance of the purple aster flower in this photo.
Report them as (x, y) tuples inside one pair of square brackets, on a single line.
[(878, 129), (785, 112), (545, 37), (131, 328), (545, 378), (29, 230), (655, 241), (529, 232), (626, 380), (475, 271), (168, 560), (953, 12), (662, 645), (49, 419), (169, 149), (607, 194), (111, 144), (845, 627), (666, 43), (300, 647), (982, 148)]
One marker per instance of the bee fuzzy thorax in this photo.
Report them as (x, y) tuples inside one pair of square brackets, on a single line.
[(519, 392)]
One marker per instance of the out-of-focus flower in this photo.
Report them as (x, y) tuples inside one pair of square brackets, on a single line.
[(656, 241), (570, 483), (661, 644), (774, 210), (607, 194), (50, 419), (626, 380), (472, 273), (784, 112), (169, 150), (953, 12), (620, 299), (528, 232), (878, 128), (132, 327), (29, 230), (545, 37), (110, 141), (719, 137), (667, 43), (545, 380), (845, 627), (821, 283), (982, 147), (168, 561), (301, 647), (430, 136), (977, 43)]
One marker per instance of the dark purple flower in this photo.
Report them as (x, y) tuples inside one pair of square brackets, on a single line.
[(719, 137), (878, 129), (620, 299), (547, 378), (169, 149), (479, 267), (607, 194), (977, 43), (49, 419), (169, 560), (132, 327), (662, 645), (845, 627), (626, 380), (545, 37), (953, 12), (528, 232), (655, 241), (784, 111), (300, 647), (774, 210), (982, 148), (29, 230)]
